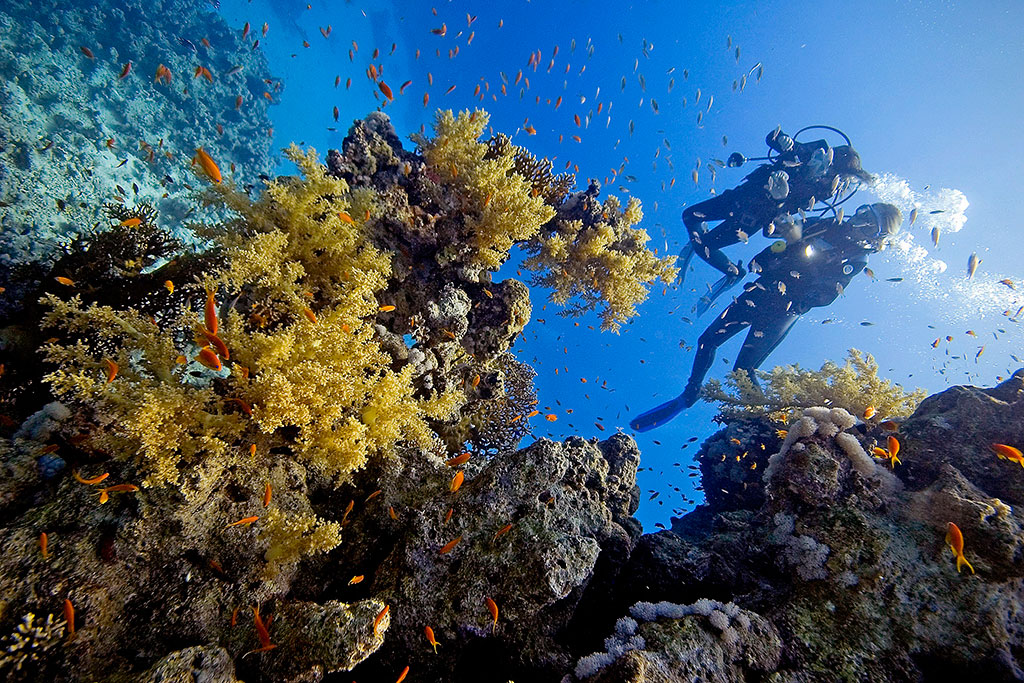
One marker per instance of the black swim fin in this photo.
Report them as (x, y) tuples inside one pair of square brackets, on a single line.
[(660, 415)]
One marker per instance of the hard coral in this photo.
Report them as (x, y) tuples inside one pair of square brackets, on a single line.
[(498, 423), (30, 643), (553, 188)]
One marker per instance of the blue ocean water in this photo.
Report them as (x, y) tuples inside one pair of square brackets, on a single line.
[(926, 91)]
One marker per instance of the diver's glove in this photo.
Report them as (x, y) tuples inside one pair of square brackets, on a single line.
[(778, 185)]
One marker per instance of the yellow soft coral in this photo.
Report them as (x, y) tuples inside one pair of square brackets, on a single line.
[(314, 378), (150, 415), (607, 263), (853, 386), (290, 536), (504, 208)]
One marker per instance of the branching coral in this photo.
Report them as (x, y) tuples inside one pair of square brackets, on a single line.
[(553, 188), (600, 259), (854, 386)]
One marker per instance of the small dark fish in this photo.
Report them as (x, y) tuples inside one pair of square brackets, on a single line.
[(121, 164), (937, 211), (234, 70), (135, 188), (188, 43), (894, 279), (866, 323)]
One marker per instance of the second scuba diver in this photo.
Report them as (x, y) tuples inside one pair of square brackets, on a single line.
[(798, 176), (793, 279)]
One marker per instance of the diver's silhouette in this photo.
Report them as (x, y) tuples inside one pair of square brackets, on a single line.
[(800, 174), (807, 274)]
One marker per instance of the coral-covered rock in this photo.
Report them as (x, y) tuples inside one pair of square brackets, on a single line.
[(566, 504), (956, 427), (200, 663)]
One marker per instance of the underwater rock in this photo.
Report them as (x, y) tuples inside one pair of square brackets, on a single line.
[(200, 663), (566, 503), (956, 427), (850, 568), (322, 639), (706, 641)]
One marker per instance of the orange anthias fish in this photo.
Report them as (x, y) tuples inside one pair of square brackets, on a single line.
[(262, 633), (492, 607), (1005, 452), (386, 90), (379, 618), (209, 359), (430, 637), (458, 460), (116, 488), (69, 616), (210, 313), (209, 167), (955, 539)]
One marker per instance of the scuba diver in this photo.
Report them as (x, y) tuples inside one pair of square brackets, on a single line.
[(792, 280), (799, 175)]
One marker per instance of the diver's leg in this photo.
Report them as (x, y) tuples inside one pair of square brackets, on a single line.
[(720, 208), (725, 234), (724, 327), (766, 333)]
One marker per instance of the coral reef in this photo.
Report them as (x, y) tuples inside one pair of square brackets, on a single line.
[(238, 423), (291, 454), (74, 135), (854, 386)]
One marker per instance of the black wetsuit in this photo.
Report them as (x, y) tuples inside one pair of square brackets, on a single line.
[(750, 207), (807, 274)]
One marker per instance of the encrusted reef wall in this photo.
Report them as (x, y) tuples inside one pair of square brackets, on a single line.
[(298, 455), (845, 556), (74, 134)]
